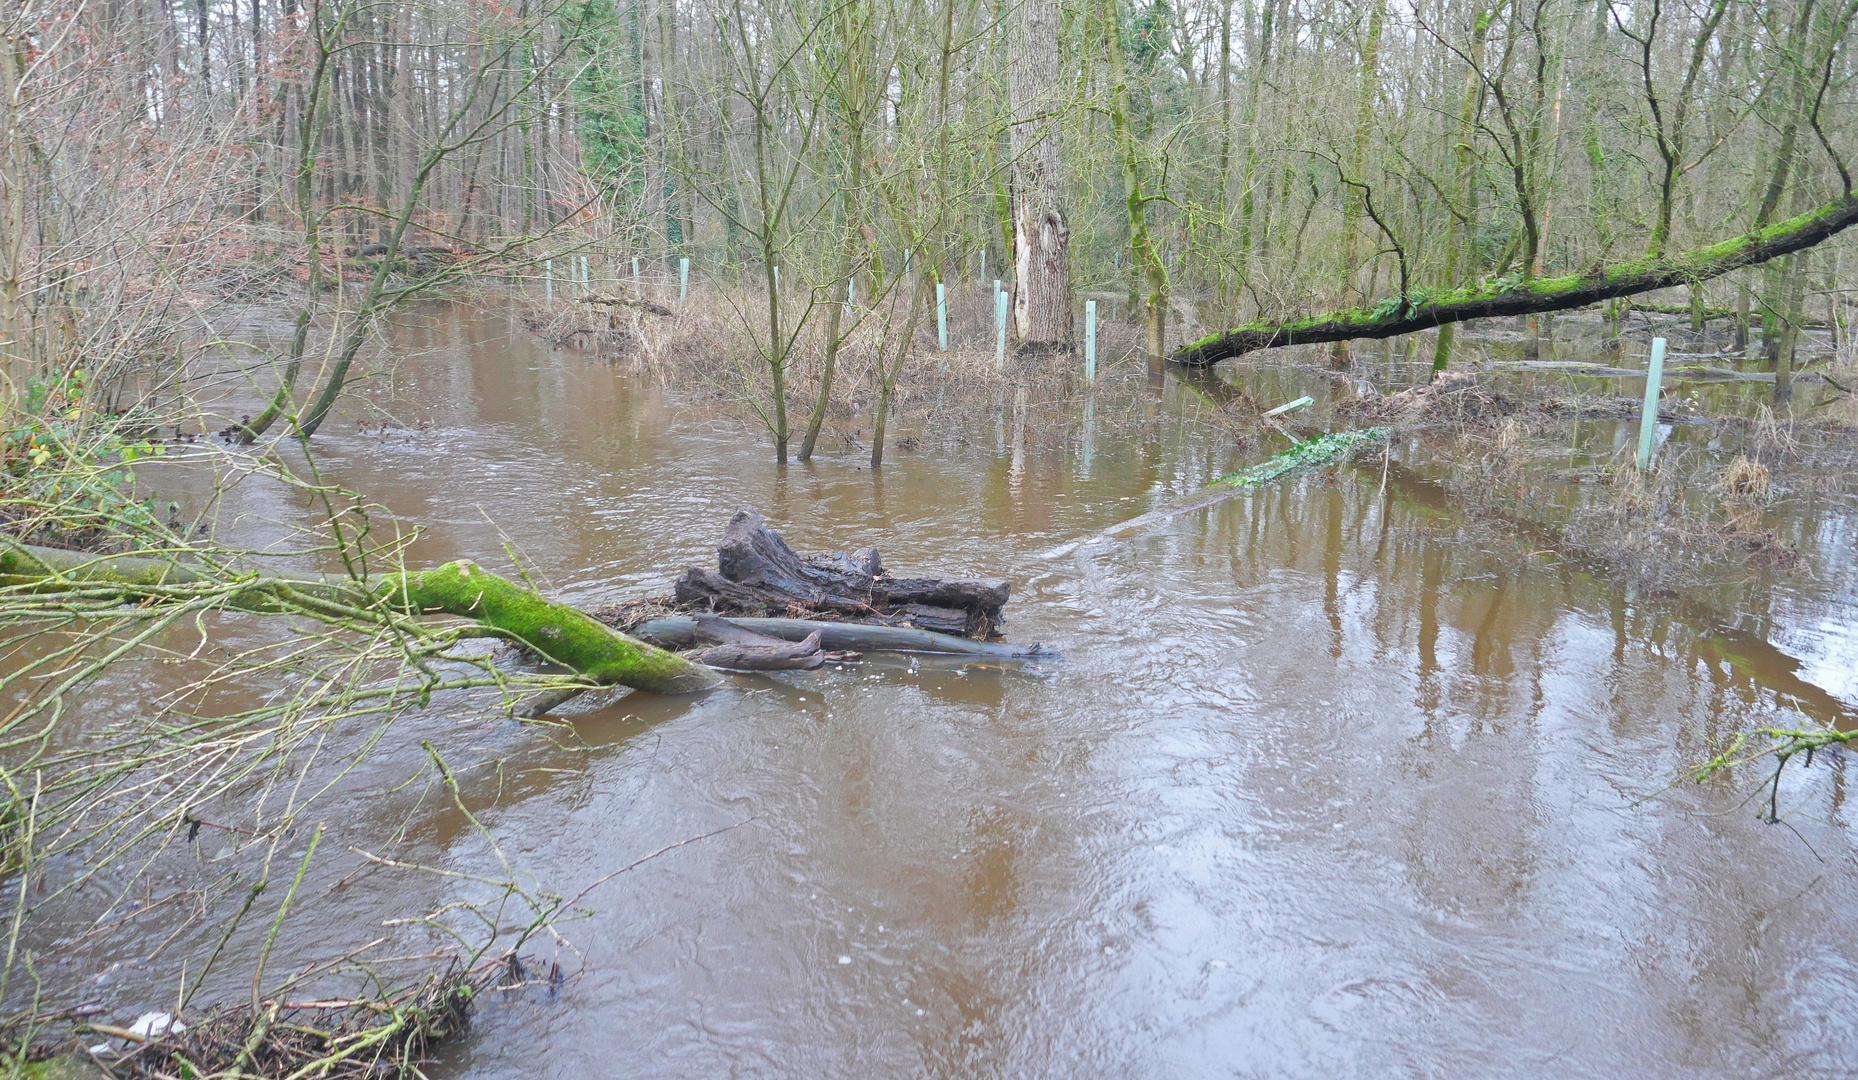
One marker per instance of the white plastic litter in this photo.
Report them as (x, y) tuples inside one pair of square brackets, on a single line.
[(149, 1025)]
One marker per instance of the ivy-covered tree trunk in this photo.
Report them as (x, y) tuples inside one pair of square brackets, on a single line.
[(1135, 198)]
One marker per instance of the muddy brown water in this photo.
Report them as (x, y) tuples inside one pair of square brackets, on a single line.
[(1325, 783)]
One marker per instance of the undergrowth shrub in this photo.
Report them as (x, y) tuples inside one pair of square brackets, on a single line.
[(67, 468)]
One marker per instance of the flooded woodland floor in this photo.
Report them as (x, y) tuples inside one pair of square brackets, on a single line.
[(1335, 778)]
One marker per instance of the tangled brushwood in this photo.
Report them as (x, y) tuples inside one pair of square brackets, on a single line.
[(1461, 400), (389, 1036)]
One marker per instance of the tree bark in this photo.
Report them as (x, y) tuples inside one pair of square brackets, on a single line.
[(1358, 157), (1135, 198), (1041, 231), (758, 574), (1423, 312), (680, 631)]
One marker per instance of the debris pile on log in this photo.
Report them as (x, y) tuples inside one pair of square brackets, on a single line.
[(757, 574)]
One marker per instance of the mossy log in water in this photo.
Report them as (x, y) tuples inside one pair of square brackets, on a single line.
[(559, 633), (1421, 310)]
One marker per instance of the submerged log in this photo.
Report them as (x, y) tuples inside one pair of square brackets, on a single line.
[(742, 649), (1424, 311), (680, 631), (786, 656), (758, 574)]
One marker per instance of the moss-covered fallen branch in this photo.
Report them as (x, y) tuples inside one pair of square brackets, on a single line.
[(559, 633), (1510, 296), (1783, 744)]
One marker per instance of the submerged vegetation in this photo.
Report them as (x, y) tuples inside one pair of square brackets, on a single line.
[(1319, 451)]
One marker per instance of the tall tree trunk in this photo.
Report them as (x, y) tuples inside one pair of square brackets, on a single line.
[(678, 211), (1774, 280), (16, 278), (887, 375), (1041, 231), (1462, 228), (1593, 77), (1135, 199), (1248, 183), (1542, 166), (1223, 212), (1358, 157), (310, 219), (854, 26), (1794, 275)]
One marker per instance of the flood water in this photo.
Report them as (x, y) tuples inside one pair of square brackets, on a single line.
[(1324, 782)]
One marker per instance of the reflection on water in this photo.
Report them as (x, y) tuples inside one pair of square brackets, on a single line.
[(1319, 787)]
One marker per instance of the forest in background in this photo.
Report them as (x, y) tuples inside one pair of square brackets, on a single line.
[(1200, 163)]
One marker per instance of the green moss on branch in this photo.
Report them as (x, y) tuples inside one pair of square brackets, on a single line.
[(1511, 296), (565, 635), (561, 634)]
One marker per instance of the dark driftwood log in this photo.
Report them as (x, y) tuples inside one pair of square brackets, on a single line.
[(758, 574), (783, 656), (680, 631), (744, 650)]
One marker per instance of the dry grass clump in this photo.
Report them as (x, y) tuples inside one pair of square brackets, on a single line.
[(340, 1039), (1800, 435), (1460, 401), (1690, 521), (1685, 523), (1744, 482)]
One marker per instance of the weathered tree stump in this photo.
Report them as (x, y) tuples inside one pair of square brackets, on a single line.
[(757, 574)]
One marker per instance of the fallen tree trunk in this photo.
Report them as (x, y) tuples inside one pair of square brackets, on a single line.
[(559, 633), (757, 574), (1426, 310)]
